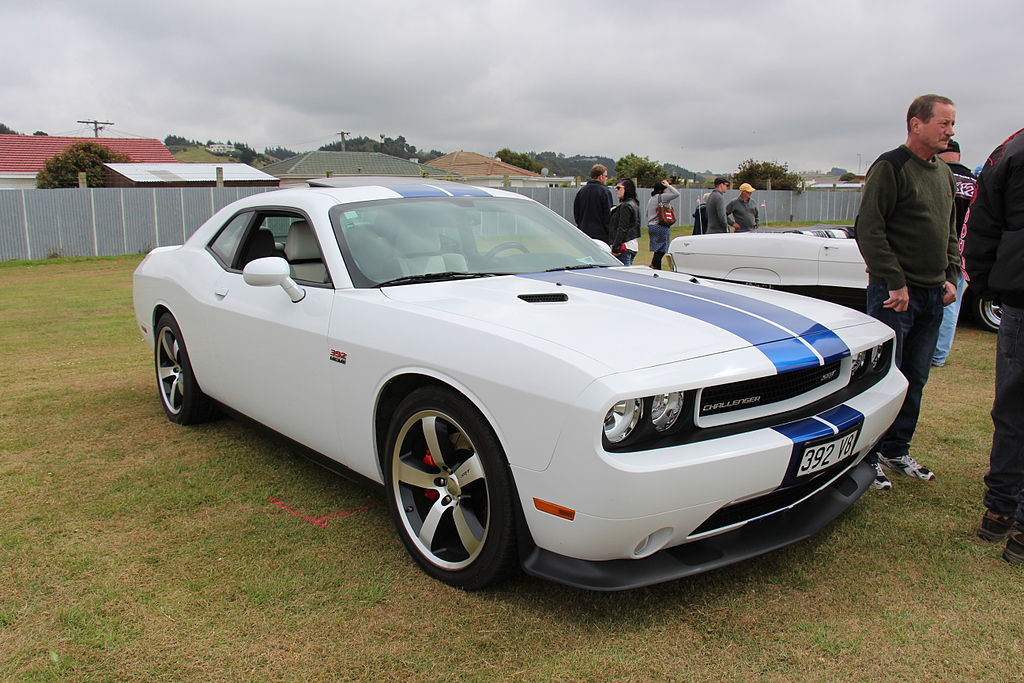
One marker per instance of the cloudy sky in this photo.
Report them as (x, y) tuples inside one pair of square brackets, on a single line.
[(810, 83)]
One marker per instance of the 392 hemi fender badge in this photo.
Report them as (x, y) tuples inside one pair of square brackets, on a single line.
[(339, 356)]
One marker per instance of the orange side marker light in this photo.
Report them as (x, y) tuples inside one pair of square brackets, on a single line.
[(553, 509)]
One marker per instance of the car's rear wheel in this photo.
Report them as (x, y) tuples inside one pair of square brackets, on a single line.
[(449, 489), (986, 313), (183, 401)]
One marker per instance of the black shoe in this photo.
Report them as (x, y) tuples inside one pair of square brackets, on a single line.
[(1014, 553), (994, 527)]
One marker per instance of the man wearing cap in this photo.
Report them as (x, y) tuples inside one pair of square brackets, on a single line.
[(966, 184), (744, 214), (716, 208), (906, 232)]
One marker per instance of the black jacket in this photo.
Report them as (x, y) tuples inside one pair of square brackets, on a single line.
[(624, 224), (994, 240), (592, 208)]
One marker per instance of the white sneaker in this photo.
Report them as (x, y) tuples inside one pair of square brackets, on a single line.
[(907, 466)]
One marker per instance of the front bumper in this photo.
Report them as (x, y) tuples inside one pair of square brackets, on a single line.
[(750, 540)]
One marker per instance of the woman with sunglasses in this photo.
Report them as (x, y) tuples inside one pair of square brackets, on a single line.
[(624, 226)]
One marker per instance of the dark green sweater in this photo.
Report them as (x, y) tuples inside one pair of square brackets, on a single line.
[(906, 223)]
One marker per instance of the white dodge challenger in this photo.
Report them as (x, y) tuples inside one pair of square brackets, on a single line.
[(524, 399)]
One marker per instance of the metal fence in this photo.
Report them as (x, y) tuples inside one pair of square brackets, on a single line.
[(38, 224)]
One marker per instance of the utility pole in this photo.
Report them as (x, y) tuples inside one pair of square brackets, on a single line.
[(97, 126), (343, 133)]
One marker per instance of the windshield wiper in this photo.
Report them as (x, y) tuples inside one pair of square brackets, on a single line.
[(435, 277), (580, 266)]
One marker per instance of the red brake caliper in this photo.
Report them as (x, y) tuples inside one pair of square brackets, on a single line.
[(430, 494)]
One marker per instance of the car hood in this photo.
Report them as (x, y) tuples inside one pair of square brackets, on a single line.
[(631, 318)]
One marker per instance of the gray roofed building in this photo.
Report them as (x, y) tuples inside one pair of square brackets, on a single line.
[(308, 165), (186, 175)]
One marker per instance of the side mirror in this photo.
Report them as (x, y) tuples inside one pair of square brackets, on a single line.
[(272, 271)]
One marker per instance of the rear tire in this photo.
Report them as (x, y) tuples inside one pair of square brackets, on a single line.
[(985, 312), (449, 489), (183, 401)]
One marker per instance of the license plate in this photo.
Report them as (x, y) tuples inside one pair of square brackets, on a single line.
[(822, 455)]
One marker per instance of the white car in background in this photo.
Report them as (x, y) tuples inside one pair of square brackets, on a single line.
[(522, 398), (821, 261)]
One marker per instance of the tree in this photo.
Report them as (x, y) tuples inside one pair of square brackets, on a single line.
[(520, 159), (279, 153), (7, 131), (847, 177), (644, 171), (62, 170), (765, 174)]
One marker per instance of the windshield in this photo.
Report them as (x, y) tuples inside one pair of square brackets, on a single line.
[(410, 240)]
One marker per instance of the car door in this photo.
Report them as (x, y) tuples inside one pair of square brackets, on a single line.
[(840, 264), (272, 352)]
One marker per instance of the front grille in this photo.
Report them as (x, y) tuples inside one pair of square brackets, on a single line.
[(761, 391), (775, 501)]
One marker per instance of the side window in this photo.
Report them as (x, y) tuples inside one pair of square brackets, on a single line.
[(225, 245), (295, 241)]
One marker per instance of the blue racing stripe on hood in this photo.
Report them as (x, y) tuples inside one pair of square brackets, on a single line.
[(824, 341), (784, 351)]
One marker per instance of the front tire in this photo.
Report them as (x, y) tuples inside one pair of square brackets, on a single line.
[(183, 401), (449, 489)]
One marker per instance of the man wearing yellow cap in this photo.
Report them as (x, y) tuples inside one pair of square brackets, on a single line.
[(743, 212)]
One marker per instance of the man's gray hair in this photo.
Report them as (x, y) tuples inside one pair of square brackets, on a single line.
[(923, 107)]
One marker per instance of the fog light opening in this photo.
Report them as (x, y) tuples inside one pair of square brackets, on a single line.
[(653, 543)]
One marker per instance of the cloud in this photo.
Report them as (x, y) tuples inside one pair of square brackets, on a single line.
[(808, 83)]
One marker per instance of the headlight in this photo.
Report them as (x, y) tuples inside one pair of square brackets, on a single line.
[(622, 419), (859, 363), (877, 357), (665, 410)]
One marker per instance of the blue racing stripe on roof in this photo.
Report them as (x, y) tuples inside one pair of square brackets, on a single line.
[(417, 190), (469, 191), (824, 340), (785, 352)]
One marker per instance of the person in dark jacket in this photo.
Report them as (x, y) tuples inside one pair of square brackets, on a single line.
[(624, 226), (593, 204), (716, 208), (994, 258), (966, 183), (700, 215)]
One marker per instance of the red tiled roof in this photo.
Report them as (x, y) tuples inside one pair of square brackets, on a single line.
[(473, 164), (28, 153)]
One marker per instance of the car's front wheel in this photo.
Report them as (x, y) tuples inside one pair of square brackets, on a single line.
[(183, 401), (449, 489)]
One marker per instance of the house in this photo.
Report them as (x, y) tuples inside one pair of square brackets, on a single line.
[(23, 156), (478, 169), (186, 175), (220, 148), (309, 165)]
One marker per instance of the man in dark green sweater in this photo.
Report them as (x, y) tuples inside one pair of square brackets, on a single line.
[(908, 238)]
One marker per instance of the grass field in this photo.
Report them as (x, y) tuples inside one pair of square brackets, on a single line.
[(133, 549)]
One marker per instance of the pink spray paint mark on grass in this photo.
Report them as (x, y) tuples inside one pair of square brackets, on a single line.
[(319, 521)]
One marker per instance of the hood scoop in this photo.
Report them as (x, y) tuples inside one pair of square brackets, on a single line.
[(553, 298)]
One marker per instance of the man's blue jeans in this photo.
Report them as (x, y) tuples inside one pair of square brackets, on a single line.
[(916, 329), (1005, 478)]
